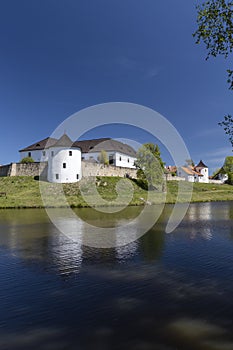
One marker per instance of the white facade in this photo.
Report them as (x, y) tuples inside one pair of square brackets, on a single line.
[(115, 158), (185, 175), (199, 175), (64, 164), (205, 175), (36, 155)]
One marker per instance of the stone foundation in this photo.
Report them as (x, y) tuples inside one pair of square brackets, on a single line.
[(25, 169), (94, 169), (41, 169)]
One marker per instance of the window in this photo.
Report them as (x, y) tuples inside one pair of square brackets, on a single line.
[(52, 153), (120, 158), (44, 153), (57, 176), (29, 154), (128, 160), (64, 165), (77, 176), (70, 153)]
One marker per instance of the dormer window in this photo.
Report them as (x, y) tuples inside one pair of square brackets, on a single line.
[(37, 145)]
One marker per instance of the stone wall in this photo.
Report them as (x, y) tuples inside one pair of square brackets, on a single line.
[(25, 169), (31, 169), (40, 169), (94, 169), (5, 170)]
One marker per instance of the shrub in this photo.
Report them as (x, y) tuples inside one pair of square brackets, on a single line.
[(27, 160)]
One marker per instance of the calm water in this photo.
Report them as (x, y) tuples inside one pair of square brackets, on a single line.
[(164, 291)]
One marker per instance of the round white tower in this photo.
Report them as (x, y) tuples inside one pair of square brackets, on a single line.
[(204, 171), (64, 161)]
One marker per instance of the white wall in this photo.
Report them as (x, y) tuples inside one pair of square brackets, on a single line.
[(120, 159), (36, 155), (187, 177), (56, 172), (124, 160), (205, 173)]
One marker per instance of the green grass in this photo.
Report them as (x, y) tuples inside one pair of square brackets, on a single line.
[(24, 192)]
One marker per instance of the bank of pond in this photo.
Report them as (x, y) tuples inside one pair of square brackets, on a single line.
[(28, 192)]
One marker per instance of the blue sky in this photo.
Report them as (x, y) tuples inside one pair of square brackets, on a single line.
[(59, 56)]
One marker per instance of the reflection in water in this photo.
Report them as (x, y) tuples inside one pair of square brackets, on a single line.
[(163, 291), (203, 212)]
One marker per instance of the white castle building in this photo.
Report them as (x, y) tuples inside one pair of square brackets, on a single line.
[(64, 156)]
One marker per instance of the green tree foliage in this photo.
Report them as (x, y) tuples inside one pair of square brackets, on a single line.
[(189, 162), (103, 157), (27, 160), (215, 30), (228, 167), (227, 125), (150, 165)]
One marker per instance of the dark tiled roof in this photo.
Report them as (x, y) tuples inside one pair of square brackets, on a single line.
[(87, 145), (39, 145), (107, 145), (95, 145), (201, 165)]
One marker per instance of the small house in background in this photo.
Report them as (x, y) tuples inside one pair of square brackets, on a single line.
[(221, 176), (198, 173)]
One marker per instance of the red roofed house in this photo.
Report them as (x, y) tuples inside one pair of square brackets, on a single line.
[(198, 173)]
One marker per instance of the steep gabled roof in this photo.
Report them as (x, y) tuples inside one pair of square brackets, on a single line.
[(39, 145), (201, 165), (221, 171), (64, 141)]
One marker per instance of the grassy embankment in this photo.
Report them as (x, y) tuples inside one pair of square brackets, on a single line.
[(24, 192)]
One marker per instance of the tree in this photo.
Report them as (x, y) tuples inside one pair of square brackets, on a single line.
[(103, 157), (227, 124), (189, 162), (27, 160), (228, 167), (150, 165), (215, 29)]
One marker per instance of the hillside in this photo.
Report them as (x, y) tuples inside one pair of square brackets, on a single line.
[(24, 192)]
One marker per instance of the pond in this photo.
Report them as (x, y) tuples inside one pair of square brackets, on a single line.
[(162, 291)]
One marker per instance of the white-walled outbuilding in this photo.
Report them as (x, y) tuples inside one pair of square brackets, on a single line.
[(198, 173)]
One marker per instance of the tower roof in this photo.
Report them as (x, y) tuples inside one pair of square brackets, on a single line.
[(201, 165), (64, 141)]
